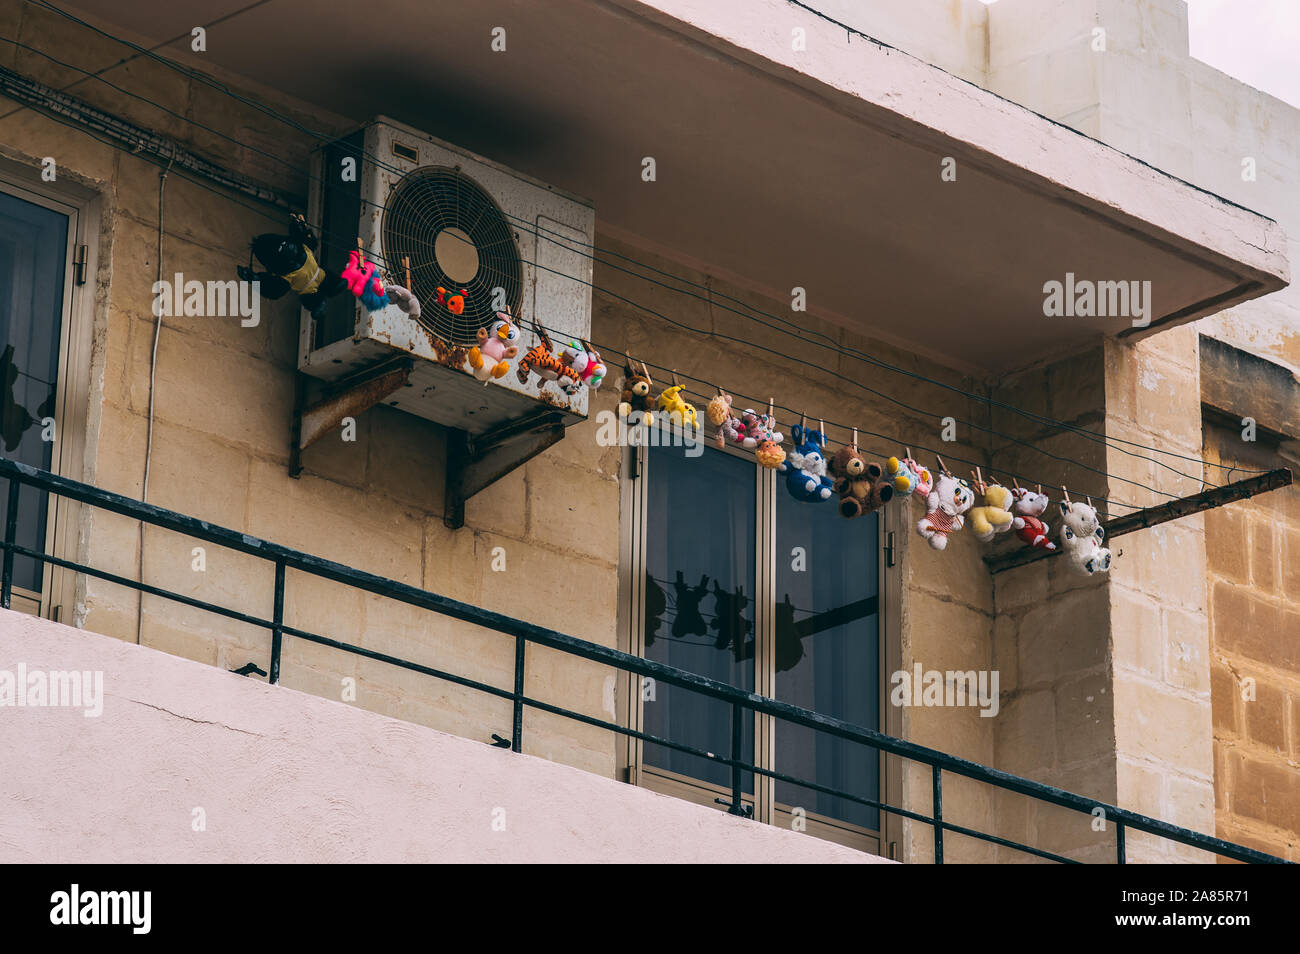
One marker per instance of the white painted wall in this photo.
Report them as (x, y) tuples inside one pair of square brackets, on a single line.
[(284, 776)]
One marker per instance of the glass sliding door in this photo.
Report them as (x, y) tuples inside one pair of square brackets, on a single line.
[(732, 578), (700, 574), (827, 654)]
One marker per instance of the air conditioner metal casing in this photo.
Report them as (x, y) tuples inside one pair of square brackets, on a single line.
[(554, 234)]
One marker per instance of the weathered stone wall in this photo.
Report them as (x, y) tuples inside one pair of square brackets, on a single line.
[(1254, 602)]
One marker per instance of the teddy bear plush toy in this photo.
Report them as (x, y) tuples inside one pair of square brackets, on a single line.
[(805, 467), (1029, 507), (636, 394), (861, 484), (945, 504), (908, 477), (995, 515), (1081, 536)]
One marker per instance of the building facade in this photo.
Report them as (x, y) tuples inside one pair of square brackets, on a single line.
[(856, 230)]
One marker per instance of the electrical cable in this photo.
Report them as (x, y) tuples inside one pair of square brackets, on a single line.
[(153, 370), (918, 411), (537, 230), (323, 137)]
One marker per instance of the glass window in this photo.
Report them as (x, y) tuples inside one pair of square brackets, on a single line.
[(725, 549), (827, 653), (33, 257), (700, 576)]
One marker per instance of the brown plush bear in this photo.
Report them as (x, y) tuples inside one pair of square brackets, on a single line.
[(636, 394), (861, 485)]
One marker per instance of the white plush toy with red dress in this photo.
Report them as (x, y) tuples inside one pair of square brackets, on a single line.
[(1029, 507)]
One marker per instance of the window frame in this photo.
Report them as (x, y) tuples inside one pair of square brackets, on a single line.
[(60, 588), (633, 532)]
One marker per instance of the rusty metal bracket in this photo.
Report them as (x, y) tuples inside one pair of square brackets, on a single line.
[(1153, 516), (348, 398), (474, 463)]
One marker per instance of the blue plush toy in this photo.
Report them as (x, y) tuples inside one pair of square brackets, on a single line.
[(805, 468)]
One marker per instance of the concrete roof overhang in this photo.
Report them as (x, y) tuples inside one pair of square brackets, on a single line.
[(776, 167)]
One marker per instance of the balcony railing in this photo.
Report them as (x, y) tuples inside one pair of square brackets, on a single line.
[(741, 702)]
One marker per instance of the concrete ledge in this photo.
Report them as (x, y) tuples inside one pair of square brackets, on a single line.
[(282, 776)]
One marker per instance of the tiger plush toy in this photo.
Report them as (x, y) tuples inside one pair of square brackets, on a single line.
[(542, 359)]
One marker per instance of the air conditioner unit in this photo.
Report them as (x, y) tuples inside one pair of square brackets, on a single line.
[(463, 222)]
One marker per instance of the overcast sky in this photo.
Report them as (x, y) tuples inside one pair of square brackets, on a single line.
[(1255, 41)]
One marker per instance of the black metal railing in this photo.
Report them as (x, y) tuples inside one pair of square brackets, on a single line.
[(524, 633)]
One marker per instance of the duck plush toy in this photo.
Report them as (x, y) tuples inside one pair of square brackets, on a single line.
[(490, 358)]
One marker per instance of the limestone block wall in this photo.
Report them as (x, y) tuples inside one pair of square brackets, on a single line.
[(1253, 591), (1052, 629), (223, 401), (223, 398)]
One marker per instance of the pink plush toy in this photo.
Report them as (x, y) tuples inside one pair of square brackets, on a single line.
[(362, 279), (948, 499), (497, 346)]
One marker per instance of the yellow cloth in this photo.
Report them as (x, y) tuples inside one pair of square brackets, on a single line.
[(307, 277)]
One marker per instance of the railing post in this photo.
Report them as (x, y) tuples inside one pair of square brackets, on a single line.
[(277, 630), (517, 733), (1119, 843), (11, 530), (938, 814), (737, 743)]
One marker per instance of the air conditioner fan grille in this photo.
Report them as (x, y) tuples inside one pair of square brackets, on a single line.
[(456, 237)]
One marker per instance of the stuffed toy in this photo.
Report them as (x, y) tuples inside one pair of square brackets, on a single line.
[(542, 359), (805, 468), (760, 427), (947, 500), (719, 410), (995, 516), (291, 266), (730, 430), (585, 360), (1081, 536), (454, 303), (636, 393), (497, 346), (362, 280), (671, 403), (861, 485), (908, 476), (405, 300), (769, 454), (1029, 508)]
